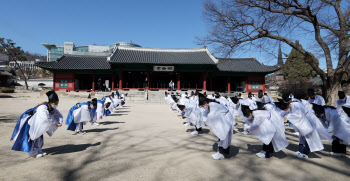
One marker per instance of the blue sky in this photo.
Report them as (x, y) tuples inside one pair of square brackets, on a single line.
[(149, 23)]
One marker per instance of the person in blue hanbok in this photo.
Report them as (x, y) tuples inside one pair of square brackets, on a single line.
[(31, 126), (99, 112), (80, 114), (108, 104)]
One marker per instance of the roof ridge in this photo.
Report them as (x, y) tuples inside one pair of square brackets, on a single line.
[(163, 49)]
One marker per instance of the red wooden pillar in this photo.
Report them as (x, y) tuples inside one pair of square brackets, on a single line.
[(247, 85), (148, 80), (112, 81), (54, 82), (93, 82), (121, 80), (178, 81), (73, 83), (204, 77), (229, 84)]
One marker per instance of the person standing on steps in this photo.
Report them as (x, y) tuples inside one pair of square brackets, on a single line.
[(171, 85)]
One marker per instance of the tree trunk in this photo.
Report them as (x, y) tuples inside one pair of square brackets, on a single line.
[(25, 79), (331, 91)]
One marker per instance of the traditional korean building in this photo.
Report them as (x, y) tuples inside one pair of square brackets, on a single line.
[(128, 67)]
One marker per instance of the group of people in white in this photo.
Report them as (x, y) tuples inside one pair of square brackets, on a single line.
[(264, 118), (45, 117)]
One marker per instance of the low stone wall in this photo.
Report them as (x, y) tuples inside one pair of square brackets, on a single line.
[(35, 82)]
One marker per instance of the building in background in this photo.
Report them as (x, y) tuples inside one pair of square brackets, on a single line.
[(127, 67), (4, 60), (25, 65), (55, 52)]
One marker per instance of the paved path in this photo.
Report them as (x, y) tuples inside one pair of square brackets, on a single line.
[(149, 142)]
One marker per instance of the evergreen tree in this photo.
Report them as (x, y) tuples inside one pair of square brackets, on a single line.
[(296, 67)]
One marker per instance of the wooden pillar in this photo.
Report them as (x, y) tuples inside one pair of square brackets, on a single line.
[(121, 80), (178, 81), (229, 84), (113, 81), (148, 80), (73, 83), (54, 81), (204, 77), (93, 82), (247, 85)]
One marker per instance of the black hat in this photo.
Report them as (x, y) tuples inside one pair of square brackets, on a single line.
[(181, 107), (346, 110), (234, 100), (260, 105), (166, 93), (239, 94), (286, 98), (202, 100), (265, 94), (186, 93), (52, 96), (205, 93), (260, 94), (341, 94), (94, 102), (310, 92), (250, 94), (246, 111), (317, 108)]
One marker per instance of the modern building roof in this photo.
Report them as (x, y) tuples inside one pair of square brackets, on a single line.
[(76, 62), (162, 56), (244, 65)]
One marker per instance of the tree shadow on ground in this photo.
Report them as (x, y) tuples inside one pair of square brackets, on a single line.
[(117, 114), (7, 119), (99, 130), (110, 122), (6, 96), (63, 149)]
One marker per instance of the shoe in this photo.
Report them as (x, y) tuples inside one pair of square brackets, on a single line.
[(261, 154), (302, 156), (337, 154), (214, 155), (186, 124), (245, 132), (194, 132), (96, 124), (44, 153), (287, 124), (296, 153), (38, 156), (82, 133), (296, 133), (75, 133), (219, 156)]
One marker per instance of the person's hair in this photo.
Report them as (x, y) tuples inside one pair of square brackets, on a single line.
[(246, 112), (42, 103), (234, 99)]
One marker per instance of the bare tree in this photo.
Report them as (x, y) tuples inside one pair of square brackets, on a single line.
[(237, 24), (8, 47)]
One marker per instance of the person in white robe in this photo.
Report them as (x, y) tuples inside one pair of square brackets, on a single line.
[(192, 113), (99, 112), (339, 127), (309, 138), (32, 125), (221, 122), (316, 99), (344, 100), (79, 115)]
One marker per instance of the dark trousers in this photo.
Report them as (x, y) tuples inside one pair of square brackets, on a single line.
[(268, 148), (198, 129), (304, 148), (337, 147)]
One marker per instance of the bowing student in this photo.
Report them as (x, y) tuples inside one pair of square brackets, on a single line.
[(338, 127), (221, 122), (344, 100), (79, 115), (316, 99), (31, 126), (309, 139), (99, 112)]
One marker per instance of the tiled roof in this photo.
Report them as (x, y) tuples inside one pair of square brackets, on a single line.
[(244, 65), (162, 56), (76, 62)]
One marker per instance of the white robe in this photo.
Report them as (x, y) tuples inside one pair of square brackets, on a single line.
[(306, 129), (338, 124), (220, 121), (99, 111), (318, 100), (279, 140), (340, 103), (43, 121), (83, 114), (261, 127)]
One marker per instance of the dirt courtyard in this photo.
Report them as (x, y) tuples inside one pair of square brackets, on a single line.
[(149, 142)]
